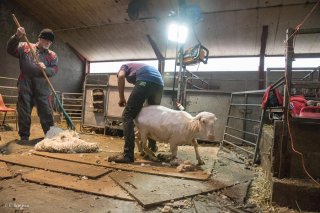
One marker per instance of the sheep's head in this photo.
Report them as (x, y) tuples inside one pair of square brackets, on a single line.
[(206, 124)]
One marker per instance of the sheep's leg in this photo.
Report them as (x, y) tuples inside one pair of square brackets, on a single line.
[(145, 148), (171, 156), (174, 150), (195, 144), (168, 157), (138, 142)]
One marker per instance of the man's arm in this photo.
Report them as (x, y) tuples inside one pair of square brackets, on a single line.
[(121, 85), (52, 69), (13, 43)]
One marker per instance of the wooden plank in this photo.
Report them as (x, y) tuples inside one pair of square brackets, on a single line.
[(231, 173), (4, 171), (56, 165), (237, 193), (104, 186), (149, 168), (150, 190)]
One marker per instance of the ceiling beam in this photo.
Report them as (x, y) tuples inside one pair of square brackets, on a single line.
[(84, 61), (157, 52), (261, 7), (155, 48)]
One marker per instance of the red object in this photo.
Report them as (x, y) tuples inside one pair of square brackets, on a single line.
[(267, 94), (296, 104), (5, 109), (310, 112)]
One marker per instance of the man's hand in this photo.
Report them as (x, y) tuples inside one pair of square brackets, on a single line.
[(122, 102), (20, 32), (41, 66)]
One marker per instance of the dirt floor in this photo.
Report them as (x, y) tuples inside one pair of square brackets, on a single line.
[(18, 195)]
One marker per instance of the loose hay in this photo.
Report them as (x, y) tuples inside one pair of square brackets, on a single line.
[(65, 141), (260, 194)]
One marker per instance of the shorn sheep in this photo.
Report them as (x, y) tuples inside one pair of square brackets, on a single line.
[(174, 127)]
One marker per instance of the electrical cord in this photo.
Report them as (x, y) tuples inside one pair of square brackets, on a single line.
[(304, 20), (291, 139)]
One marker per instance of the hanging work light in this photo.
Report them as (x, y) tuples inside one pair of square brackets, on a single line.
[(177, 32)]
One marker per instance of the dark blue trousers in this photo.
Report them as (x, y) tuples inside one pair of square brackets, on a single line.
[(142, 91)]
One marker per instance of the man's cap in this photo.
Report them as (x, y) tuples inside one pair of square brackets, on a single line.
[(47, 34)]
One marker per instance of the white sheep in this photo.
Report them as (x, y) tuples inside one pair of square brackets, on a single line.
[(174, 127)]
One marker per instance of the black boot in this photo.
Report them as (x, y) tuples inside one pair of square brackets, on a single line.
[(121, 158)]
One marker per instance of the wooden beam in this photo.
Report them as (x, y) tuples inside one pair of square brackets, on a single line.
[(154, 168), (155, 48), (103, 186), (284, 167), (81, 57), (264, 37), (157, 52), (56, 165), (85, 62)]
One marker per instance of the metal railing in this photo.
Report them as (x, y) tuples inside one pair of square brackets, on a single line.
[(72, 104), (242, 138)]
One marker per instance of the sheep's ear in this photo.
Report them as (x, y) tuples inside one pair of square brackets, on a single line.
[(198, 117), (202, 120)]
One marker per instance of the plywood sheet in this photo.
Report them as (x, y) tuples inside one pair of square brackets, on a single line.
[(150, 190), (149, 167), (114, 110), (56, 165), (230, 170), (237, 193), (104, 186), (4, 171)]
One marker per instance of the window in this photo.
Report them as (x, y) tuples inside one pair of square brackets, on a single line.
[(214, 64)]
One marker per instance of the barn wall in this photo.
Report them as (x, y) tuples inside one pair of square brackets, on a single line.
[(232, 81), (217, 99), (70, 76)]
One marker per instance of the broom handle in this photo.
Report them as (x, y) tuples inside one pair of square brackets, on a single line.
[(34, 55)]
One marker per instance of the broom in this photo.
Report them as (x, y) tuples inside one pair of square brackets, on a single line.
[(68, 119)]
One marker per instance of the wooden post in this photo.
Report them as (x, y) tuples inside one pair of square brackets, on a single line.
[(264, 37)]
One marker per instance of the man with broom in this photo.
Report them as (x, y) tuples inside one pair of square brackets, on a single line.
[(31, 83)]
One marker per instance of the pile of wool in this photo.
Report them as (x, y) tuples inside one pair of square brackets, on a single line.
[(186, 166), (65, 141)]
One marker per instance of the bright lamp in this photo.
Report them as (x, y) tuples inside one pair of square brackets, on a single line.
[(177, 33)]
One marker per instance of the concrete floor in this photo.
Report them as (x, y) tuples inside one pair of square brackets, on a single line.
[(17, 195)]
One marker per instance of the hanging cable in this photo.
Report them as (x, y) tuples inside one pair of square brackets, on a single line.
[(304, 20), (291, 138), (195, 35)]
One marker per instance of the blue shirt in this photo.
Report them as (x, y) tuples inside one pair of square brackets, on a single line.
[(141, 72)]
